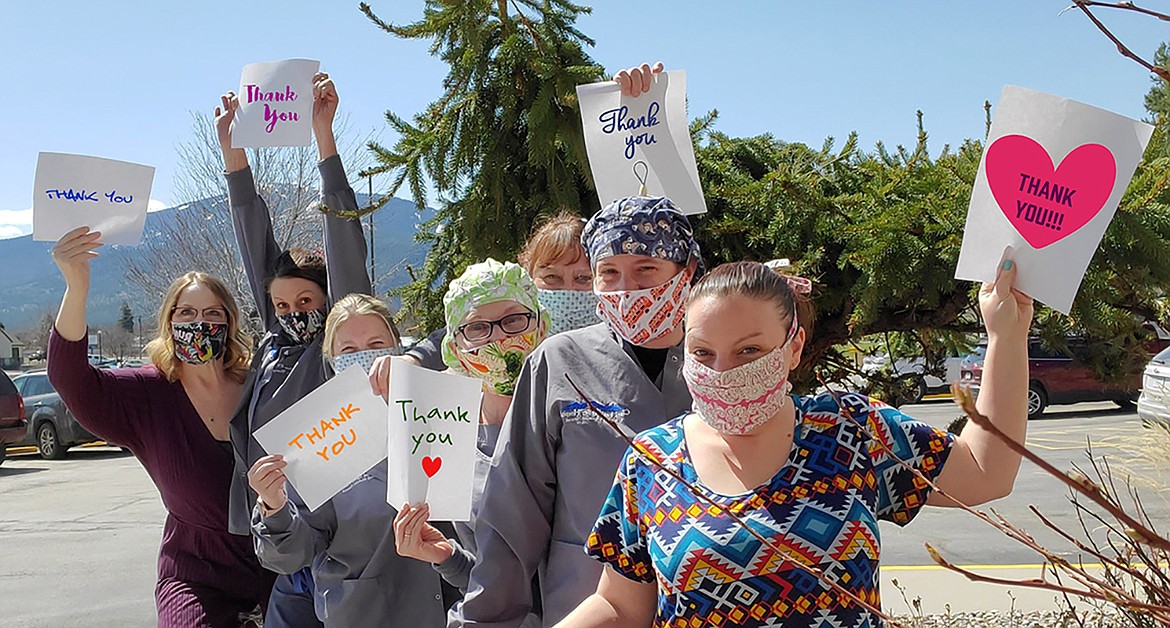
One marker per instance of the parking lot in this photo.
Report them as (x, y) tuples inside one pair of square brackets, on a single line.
[(80, 535)]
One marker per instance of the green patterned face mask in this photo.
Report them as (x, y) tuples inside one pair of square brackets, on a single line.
[(497, 363)]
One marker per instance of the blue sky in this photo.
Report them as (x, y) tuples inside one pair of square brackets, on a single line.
[(120, 79)]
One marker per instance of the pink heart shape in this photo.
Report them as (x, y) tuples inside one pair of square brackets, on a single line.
[(431, 465), (1046, 206)]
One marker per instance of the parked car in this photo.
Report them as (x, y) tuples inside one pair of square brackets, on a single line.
[(1153, 405), (12, 422), (1056, 378), (51, 426), (915, 368)]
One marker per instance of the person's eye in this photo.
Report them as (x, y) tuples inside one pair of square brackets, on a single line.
[(551, 278), (700, 353), (377, 344), (585, 279), (306, 301), (749, 350)]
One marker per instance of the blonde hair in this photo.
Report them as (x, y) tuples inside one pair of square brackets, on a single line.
[(553, 239), (348, 307), (237, 355)]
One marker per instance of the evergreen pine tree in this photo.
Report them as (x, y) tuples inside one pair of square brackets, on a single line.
[(126, 318), (503, 144)]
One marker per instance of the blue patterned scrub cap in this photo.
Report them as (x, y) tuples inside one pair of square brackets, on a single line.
[(641, 225)]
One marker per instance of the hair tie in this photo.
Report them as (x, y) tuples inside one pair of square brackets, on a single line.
[(799, 285)]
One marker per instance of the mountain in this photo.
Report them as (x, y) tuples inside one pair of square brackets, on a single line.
[(31, 286)]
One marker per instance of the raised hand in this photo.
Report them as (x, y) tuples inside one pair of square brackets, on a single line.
[(1007, 312), (324, 110), (637, 81), (233, 158), (72, 254)]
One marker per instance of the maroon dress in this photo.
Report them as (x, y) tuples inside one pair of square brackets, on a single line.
[(207, 577)]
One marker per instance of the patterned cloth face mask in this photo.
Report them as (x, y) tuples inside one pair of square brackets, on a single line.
[(498, 363), (740, 399), (642, 316), (302, 326), (569, 309), (199, 342), (364, 358)]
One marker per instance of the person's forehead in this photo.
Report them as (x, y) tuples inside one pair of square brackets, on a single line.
[(198, 293), (495, 309)]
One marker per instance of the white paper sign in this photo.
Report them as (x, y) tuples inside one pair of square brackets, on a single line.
[(1050, 179), (330, 437), (72, 191), (434, 422), (643, 139), (276, 104)]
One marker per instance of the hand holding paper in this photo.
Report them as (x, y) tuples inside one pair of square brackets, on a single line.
[(330, 437), (1050, 180), (638, 138), (276, 104), (72, 191)]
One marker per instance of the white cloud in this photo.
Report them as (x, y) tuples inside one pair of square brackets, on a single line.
[(15, 223), (18, 222)]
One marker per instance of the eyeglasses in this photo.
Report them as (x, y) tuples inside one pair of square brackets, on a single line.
[(185, 314), (511, 324)]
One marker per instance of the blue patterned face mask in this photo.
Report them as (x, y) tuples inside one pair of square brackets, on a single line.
[(364, 358), (569, 309)]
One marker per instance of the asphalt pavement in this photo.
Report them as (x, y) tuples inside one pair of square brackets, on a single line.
[(79, 537)]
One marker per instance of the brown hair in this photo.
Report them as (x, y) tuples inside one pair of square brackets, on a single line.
[(755, 280), (301, 263), (556, 237), (350, 306), (237, 354)]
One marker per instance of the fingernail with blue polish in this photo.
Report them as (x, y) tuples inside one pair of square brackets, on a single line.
[(1007, 264)]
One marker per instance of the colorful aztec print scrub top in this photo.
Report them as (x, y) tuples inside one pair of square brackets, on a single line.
[(822, 506)]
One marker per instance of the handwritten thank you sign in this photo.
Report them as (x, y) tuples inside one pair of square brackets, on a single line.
[(434, 421), (276, 104), (330, 437), (641, 143), (72, 191)]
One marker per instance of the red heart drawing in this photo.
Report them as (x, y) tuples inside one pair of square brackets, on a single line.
[(431, 465), (1046, 205)]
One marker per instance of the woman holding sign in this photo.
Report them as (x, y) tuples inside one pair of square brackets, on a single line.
[(547, 477), (359, 578), (175, 417), (293, 290), (812, 475), (494, 322)]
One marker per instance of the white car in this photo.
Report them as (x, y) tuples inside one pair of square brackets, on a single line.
[(1153, 405), (915, 367)]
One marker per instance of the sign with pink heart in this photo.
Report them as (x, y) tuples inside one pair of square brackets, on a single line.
[(1051, 177)]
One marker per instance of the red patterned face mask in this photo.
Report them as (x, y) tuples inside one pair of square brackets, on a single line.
[(643, 316)]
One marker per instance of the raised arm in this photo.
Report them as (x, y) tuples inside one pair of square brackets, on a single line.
[(97, 398), (250, 219), (345, 243), (981, 467), (514, 526)]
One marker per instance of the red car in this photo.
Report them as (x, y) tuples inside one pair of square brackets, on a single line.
[(1056, 378), (12, 423)]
